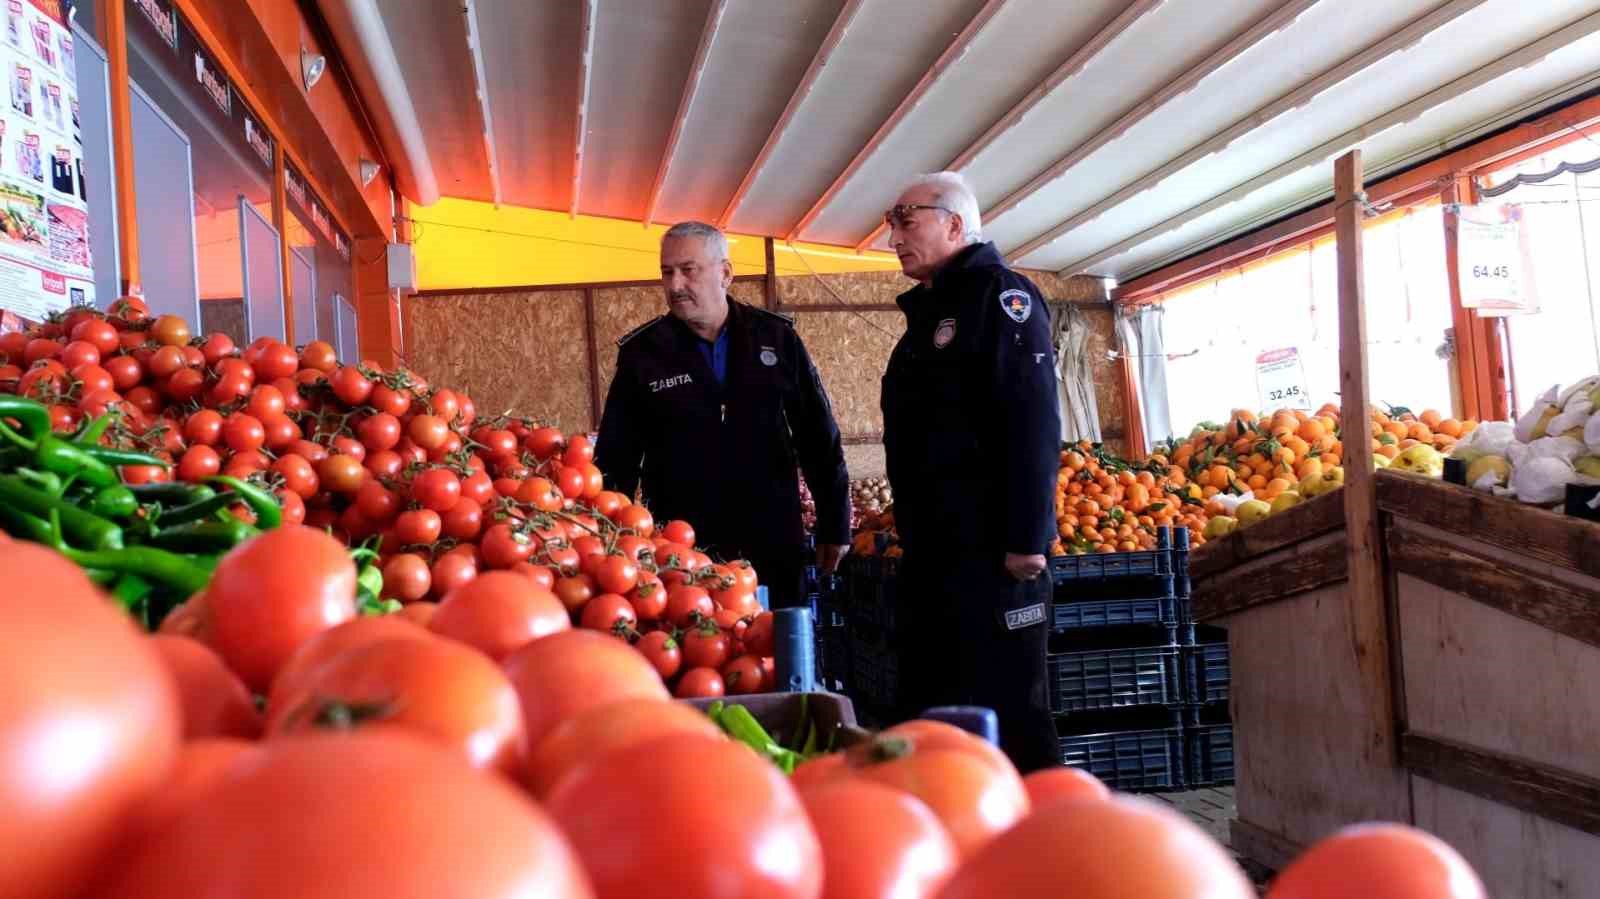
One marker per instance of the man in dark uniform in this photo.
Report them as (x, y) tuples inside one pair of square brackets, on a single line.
[(713, 407), (972, 438)]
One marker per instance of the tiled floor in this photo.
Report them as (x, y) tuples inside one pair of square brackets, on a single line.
[(1212, 809)]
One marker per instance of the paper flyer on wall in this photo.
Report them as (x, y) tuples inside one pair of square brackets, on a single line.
[(44, 223)]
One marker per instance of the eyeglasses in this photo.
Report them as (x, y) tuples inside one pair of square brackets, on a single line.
[(900, 216)]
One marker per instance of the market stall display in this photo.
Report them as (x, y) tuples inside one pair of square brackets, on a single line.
[(217, 441), (1554, 445)]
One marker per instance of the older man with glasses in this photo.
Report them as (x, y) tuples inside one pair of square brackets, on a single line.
[(713, 407), (971, 431)]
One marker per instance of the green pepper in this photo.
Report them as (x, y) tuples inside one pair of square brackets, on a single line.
[(77, 525), (197, 511), (204, 536), (92, 430), (68, 460), (114, 502), (155, 565), (737, 721), (130, 591), (269, 512), (31, 416), (23, 526), (172, 493), (47, 481), (119, 457)]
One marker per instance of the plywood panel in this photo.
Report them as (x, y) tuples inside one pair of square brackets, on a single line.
[(1073, 288), (511, 352), (853, 288), (753, 293), (865, 461), (851, 350), (1305, 763), (1486, 679), (1516, 854), (617, 311)]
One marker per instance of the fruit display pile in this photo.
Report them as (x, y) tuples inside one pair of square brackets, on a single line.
[(215, 442), (1256, 466), (1554, 444)]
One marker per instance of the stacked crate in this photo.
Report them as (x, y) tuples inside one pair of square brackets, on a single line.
[(1115, 663), (867, 599), (1208, 729)]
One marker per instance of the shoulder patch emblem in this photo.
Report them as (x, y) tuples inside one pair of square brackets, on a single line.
[(945, 333), (1017, 304), (639, 330), (769, 357)]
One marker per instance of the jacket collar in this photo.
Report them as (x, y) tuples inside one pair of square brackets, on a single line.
[(978, 255), (735, 314)]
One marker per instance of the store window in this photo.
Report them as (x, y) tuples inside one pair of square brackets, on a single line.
[(1222, 334), (1558, 196), (203, 176)]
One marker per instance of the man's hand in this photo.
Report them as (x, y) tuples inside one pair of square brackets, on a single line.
[(828, 557), (1025, 568)]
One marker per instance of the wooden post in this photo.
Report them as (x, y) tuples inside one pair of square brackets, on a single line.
[(771, 286), (114, 38), (593, 342), (1369, 608)]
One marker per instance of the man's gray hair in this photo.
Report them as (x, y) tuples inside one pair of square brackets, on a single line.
[(715, 240), (951, 190)]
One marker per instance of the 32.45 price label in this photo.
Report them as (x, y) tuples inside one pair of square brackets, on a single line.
[(1281, 380)]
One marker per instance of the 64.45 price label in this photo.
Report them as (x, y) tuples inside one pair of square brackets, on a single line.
[(1281, 380)]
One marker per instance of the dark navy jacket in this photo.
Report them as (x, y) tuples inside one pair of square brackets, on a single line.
[(724, 458), (971, 421)]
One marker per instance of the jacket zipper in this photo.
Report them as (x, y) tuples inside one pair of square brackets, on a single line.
[(723, 412)]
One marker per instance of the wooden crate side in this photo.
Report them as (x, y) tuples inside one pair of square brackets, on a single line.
[(1527, 530), (1306, 763), (1517, 854), (1568, 608), (1288, 572), (1308, 520), (1480, 677)]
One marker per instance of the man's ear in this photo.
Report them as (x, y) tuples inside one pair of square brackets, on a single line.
[(957, 227), (727, 273)]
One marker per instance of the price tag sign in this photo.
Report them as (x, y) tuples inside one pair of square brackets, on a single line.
[(1490, 260), (1281, 380)]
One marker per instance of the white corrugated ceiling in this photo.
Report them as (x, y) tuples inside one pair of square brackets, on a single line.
[(1110, 136)]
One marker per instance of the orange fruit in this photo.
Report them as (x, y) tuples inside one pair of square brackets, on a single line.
[(1379, 861), (1430, 417), (1448, 427)]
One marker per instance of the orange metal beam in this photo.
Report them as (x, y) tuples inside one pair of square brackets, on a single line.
[(114, 38)]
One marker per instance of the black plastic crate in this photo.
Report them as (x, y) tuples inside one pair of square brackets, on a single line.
[(1208, 748), (1130, 753), (1070, 615), (1158, 562), (1206, 671), (871, 598), (833, 644), (1114, 668), (874, 680)]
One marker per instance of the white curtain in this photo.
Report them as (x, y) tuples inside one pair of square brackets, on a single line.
[(1140, 339), (1080, 414)]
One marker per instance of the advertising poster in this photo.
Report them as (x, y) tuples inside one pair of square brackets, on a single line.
[(44, 223)]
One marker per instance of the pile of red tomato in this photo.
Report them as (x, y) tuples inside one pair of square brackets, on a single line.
[(383, 456), (396, 760)]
